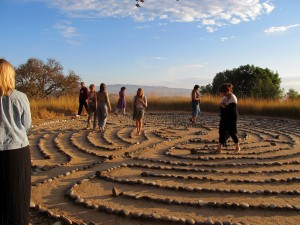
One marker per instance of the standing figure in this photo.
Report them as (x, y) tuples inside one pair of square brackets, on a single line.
[(229, 117), (83, 97), (139, 105), (92, 106), (15, 159), (121, 102), (103, 106), (195, 103)]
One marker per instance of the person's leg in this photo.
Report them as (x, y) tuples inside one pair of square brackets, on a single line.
[(222, 136), (80, 108), (89, 121), (105, 114), (86, 106), (137, 126), (18, 186), (140, 126), (99, 114), (197, 113), (236, 141), (232, 129), (95, 117)]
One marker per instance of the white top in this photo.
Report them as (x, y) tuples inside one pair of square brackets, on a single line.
[(226, 100)]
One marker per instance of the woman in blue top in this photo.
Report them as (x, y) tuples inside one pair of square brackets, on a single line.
[(15, 168)]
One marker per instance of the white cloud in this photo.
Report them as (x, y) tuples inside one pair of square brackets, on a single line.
[(280, 28), (211, 29), (158, 58), (227, 38), (211, 13), (65, 29)]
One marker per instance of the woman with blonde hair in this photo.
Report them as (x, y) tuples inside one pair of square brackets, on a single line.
[(139, 105), (15, 162)]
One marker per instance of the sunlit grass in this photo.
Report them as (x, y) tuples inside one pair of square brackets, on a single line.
[(68, 105)]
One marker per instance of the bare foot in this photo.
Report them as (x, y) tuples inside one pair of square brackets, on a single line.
[(237, 150), (218, 150)]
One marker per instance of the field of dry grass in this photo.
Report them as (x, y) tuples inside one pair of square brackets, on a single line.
[(68, 105)]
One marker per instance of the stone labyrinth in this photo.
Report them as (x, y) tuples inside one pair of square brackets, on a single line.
[(169, 174)]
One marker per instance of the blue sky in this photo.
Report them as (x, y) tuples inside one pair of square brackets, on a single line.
[(164, 42)]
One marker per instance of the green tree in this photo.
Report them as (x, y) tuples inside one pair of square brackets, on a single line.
[(292, 94), (250, 81), (206, 89), (39, 80)]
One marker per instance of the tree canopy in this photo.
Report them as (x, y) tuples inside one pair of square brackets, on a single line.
[(39, 80), (292, 94), (250, 81)]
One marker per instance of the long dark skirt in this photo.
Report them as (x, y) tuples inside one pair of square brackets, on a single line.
[(15, 186)]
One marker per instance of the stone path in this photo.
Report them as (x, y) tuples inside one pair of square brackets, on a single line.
[(168, 175)]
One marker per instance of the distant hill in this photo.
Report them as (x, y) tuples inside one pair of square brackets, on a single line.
[(149, 90)]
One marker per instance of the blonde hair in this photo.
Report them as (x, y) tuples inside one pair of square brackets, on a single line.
[(7, 77), (140, 93)]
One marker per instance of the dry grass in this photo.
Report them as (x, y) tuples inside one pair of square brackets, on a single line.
[(63, 106)]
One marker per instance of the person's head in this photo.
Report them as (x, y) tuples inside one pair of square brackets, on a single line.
[(123, 88), (225, 89), (102, 87), (82, 84), (7, 77), (196, 87), (92, 87), (230, 86), (140, 93)]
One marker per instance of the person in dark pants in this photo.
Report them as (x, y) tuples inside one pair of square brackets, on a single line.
[(15, 159), (83, 98), (229, 117)]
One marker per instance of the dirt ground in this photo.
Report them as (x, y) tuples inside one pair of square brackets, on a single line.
[(170, 174)]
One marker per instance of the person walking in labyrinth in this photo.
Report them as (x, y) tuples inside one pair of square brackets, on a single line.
[(83, 98), (103, 106), (121, 105), (139, 105), (92, 107), (229, 117)]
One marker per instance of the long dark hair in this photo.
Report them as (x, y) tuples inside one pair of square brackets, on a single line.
[(102, 87), (196, 87)]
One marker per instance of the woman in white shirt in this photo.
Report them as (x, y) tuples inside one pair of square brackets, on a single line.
[(229, 117)]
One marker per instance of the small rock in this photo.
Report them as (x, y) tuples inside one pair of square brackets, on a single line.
[(190, 221), (115, 192), (218, 223), (208, 222), (244, 205), (57, 223)]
